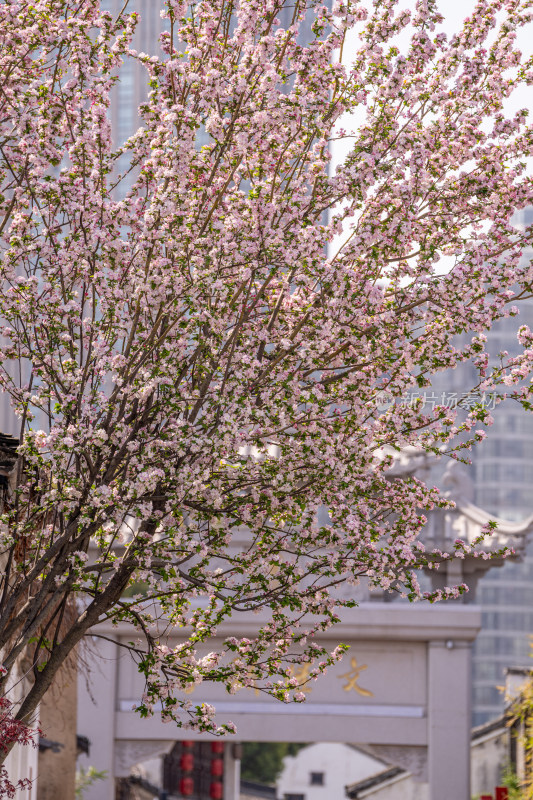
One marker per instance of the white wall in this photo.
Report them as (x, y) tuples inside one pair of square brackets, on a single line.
[(22, 763), (489, 757), (340, 763)]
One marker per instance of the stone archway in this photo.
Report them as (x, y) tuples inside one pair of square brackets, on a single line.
[(403, 689)]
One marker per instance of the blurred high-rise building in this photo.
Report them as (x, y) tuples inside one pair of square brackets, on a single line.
[(132, 88), (502, 473), (127, 94)]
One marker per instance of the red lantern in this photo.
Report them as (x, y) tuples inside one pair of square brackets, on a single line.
[(187, 762), (216, 791), (502, 793), (217, 747), (187, 787), (187, 744), (217, 767)]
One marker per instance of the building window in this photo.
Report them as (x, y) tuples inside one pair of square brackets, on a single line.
[(316, 779), (294, 797)]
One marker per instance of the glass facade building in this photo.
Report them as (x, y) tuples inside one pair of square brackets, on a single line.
[(502, 472), (127, 94), (503, 478), (131, 90)]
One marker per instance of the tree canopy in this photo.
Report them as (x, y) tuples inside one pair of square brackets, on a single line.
[(200, 323)]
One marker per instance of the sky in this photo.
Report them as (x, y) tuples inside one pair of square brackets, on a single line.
[(454, 12)]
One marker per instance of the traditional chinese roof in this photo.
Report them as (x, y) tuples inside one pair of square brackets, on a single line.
[(355, 790), (8, 460), (498, 725), (8, 454), (259, 790), (464, 521)]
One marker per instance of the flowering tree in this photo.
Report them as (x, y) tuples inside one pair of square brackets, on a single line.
[(207, 357)]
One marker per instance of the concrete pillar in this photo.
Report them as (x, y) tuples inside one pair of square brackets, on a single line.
[(232, 771), (96, 715), (449, 715)]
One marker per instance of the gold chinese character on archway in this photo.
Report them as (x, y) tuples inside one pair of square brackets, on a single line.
[(352, 678), (301, 673)]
